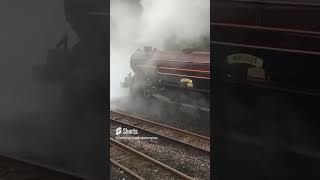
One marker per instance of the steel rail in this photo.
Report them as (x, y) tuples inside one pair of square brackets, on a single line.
[(265, 28), (162, 136), (162, 125), (283, 3), (164, 166), (115, 163), (153, 124), (265, 48)]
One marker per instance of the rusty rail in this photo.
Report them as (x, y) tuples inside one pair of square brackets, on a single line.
[(134, 156), (135, 175)]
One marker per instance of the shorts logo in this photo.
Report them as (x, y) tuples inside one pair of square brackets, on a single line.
[(118, 130)]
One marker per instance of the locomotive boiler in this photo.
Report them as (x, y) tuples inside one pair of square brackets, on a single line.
[(175, 77)]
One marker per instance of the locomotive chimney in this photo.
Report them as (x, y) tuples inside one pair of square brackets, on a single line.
[(147, 48)]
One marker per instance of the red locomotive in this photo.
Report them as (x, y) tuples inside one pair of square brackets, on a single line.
[(181, 77)]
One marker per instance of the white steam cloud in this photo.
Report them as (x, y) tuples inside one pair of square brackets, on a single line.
[(139, 23)]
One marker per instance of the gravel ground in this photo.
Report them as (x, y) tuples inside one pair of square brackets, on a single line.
[(186, 160)]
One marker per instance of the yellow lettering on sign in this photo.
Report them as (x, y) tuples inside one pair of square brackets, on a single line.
[(245, 59)]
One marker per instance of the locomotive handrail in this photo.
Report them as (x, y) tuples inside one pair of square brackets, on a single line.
[(272, 86), (265, 28), (284, 3), (188, 76), (179, 61), (265, 48), (187, 70)]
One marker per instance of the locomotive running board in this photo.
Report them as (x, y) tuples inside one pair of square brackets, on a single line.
[(168, 100)]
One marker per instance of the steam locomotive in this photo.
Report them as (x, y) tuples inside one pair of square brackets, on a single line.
[(176, 77)]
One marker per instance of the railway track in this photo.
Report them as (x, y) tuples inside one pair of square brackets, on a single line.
[(17, 169), (187, 138), (117, 172), (135, 163)]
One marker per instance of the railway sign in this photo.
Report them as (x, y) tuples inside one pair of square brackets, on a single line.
[(255, 73), (245, 58)]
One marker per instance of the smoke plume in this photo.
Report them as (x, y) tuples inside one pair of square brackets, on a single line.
[(163, 24)]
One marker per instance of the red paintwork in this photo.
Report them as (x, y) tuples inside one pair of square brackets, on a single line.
[(192, 65), (193, 57)]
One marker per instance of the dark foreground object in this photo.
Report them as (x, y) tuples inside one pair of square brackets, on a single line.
[(266, 90), (13, 169), (81, 72)]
